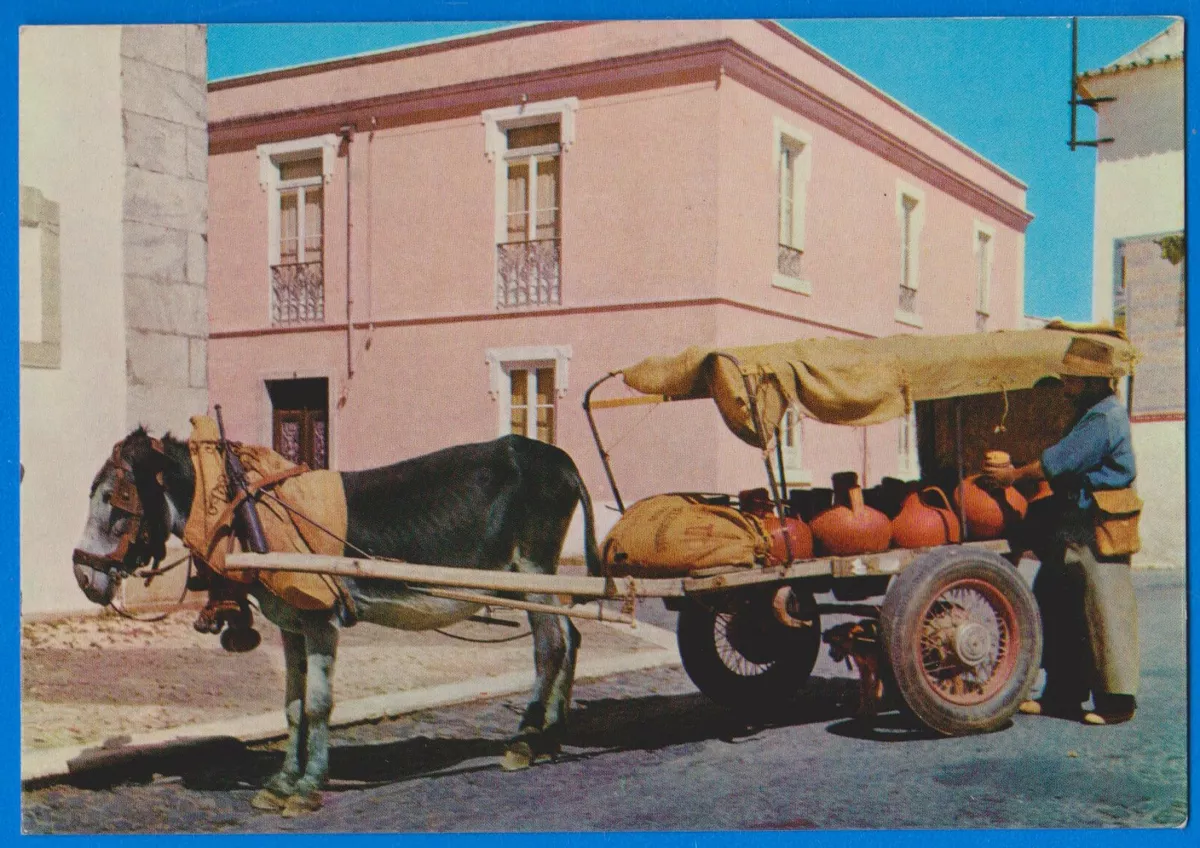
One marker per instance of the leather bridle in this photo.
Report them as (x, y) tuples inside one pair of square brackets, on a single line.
[(137, 544)]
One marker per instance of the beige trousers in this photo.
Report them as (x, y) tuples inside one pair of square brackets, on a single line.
[(1110, 610)]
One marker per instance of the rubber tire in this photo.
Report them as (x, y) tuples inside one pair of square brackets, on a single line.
[(783, 678), (907, 599)]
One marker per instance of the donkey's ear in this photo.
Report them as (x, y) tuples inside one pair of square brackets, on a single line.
[(135, 443)]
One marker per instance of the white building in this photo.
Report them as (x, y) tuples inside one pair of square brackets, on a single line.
[(1139, 265), (113, 305)]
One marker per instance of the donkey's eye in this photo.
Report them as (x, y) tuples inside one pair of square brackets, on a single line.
[(106, 497)]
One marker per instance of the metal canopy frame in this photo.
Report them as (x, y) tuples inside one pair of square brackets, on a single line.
[(777, 487), (1076, 101)]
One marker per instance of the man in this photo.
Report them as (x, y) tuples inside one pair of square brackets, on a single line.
[(1089, 612)]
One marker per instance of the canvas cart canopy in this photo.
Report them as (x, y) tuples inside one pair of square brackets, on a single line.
[(862, 381)]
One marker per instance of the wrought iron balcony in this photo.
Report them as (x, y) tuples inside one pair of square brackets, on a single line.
[(297, 293), (908, 299), (528, 273)]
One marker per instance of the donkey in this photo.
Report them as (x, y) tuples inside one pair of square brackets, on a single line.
[(503, 505)]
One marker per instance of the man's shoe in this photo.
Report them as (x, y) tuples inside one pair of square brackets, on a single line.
[(1053, 709), (1110, 709)]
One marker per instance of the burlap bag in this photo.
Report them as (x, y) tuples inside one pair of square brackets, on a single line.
[(315, 495), (672, 535)]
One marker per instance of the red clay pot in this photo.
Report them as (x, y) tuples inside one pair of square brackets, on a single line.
[(850, 527), (799, 542), (989, 512), (924, 525)]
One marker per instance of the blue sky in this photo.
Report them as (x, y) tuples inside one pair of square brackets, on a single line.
[(999, 85)]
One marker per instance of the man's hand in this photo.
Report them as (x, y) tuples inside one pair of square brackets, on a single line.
[(1002, 477)]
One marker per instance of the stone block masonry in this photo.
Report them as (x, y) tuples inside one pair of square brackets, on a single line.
[(165, 223)]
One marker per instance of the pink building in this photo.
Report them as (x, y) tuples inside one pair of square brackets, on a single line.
[(446, 242)]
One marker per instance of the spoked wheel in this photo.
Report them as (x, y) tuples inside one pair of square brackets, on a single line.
[(750, 651), (963, 636)]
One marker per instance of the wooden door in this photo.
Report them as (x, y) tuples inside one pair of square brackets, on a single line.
[(300, 420)]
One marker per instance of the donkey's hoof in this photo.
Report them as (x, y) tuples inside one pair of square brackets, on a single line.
[(271, 802), (298, 805), (518, 755)]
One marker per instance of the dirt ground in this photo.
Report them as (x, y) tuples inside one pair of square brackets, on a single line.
[(88, 679)]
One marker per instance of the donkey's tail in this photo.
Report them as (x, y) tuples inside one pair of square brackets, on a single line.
[(591, 553)]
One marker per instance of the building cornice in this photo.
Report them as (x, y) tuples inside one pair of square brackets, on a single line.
[(639, 71), (1137, 65), (711, 62), (1093, 83)]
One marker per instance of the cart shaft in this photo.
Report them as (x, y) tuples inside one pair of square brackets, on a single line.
[(614, 588)]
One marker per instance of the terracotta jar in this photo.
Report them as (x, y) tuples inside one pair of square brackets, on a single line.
[(990, 510), (925, 520), (798, 542), (850, 527), (996, 460)]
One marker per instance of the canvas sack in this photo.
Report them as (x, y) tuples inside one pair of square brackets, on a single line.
[(672, 535)]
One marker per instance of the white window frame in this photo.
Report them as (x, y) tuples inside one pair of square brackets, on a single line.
[(799, 141), (794, 471), (302, 234), (983, 239), (40, 216), (502, 361), (270, 157), (529, 371), (908, 465), (910, 248), (530, 156), (497, 123)]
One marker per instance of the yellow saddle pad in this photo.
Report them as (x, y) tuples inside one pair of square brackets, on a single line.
[(316, 522)]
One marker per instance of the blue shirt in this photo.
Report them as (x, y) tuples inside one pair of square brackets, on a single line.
[(1096, 454)]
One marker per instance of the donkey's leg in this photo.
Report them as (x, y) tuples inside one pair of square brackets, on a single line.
[(555, 645), (320, 638), (559, 666), (276, 790), (560, 704)]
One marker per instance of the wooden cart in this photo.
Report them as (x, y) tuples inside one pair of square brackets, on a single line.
[(956, 627)]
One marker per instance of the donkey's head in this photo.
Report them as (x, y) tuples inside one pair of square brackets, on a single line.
[(128, 518)]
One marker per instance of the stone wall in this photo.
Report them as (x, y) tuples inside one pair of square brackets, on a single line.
[(164, 117)]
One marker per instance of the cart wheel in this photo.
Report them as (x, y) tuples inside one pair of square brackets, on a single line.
[(740, 654), (964, 638)]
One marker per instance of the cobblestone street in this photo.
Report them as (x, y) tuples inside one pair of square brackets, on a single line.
[(654, 754)]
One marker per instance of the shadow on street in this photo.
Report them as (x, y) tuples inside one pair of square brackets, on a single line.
[(598, 727)]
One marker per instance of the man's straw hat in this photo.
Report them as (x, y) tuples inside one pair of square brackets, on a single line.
[(1088, 358)]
